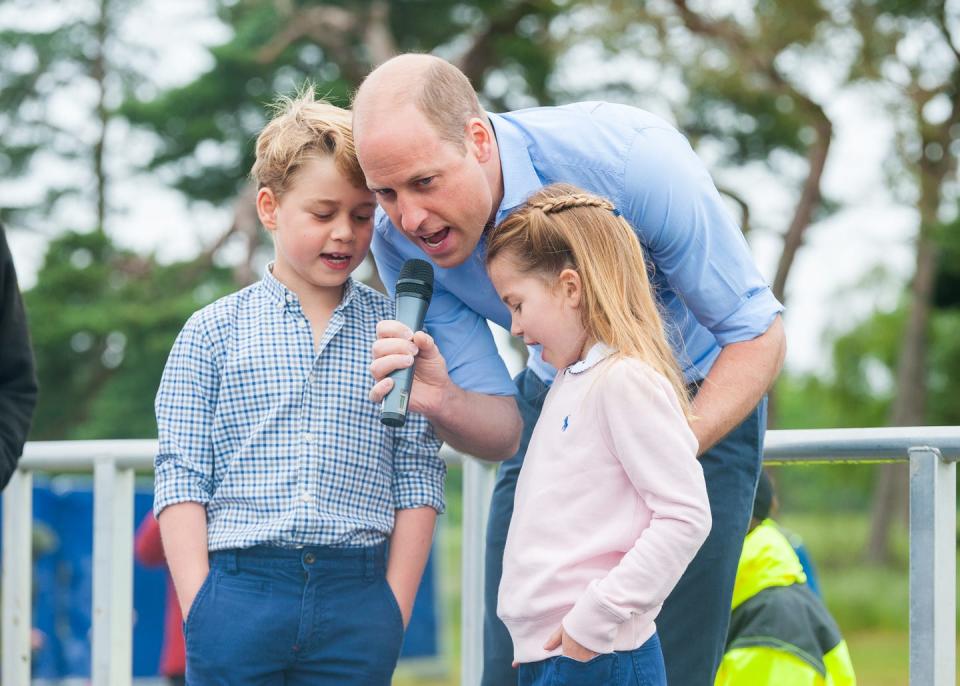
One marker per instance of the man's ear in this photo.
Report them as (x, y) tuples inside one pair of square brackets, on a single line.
[(267, 206), (479, 139), (571, 287)]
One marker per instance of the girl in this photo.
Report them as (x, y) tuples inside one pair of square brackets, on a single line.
[(611, 504)]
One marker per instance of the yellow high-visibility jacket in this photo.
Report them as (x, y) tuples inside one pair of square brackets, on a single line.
[(780, 632)]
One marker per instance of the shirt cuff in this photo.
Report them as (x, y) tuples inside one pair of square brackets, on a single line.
[(751, 319), (175, 484), (416, 489), (591, 624)]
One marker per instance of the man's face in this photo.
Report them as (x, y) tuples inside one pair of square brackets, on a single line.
[(436, 194)]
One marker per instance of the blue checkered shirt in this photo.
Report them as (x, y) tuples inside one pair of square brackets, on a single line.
[(278, 440)]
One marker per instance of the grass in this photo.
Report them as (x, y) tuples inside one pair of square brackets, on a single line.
[(870, 603)]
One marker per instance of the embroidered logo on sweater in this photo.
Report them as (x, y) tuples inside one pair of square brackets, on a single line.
[(566, 423)]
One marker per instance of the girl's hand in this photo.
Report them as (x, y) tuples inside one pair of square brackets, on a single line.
[(571, 648)]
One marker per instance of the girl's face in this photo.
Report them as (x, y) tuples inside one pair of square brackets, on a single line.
[(541, 312)]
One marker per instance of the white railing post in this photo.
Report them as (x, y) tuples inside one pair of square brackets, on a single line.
[(112, 575), (17, 577), (933, 574), (478, 480)]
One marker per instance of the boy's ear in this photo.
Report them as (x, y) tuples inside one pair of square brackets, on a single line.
[(479, 139), (267, 207), (571, 287)]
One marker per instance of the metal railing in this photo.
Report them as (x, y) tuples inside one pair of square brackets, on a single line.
[(932, 453)]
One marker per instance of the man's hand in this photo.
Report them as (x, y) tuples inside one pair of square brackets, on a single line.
[(396, 348), (570, 648), (188, 593)]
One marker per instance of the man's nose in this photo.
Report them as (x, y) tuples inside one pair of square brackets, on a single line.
[(412, 215)]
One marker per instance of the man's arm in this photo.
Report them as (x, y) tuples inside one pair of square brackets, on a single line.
[(18, 382), (740, 376), (409, 548), (485, 426), (183, 528)]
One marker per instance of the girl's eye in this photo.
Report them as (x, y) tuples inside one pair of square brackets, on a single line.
[(516, 308)]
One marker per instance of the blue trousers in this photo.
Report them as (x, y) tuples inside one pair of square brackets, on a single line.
[(640, 667), (693, 623), (289, 617)]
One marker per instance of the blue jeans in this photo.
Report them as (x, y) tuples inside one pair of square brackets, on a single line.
[(317, 615), (699, 606), (640, 667)]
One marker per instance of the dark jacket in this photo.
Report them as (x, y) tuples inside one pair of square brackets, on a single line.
[(18, 380)]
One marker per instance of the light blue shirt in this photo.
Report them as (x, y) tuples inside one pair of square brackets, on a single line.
[(276, 436), (708, 286)]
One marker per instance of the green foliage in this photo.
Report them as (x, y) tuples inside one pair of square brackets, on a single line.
[(206, 129), (102, 322)]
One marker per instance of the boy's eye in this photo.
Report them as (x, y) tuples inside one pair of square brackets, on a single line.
[(363, 217), (323, 216)]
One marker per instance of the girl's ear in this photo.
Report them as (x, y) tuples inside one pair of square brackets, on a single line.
[(571, 287), (267, 206)]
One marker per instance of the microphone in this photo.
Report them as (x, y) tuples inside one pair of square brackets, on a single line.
[(414, 290)]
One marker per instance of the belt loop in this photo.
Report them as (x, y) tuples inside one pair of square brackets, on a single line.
[(370, 562), (230, 561)]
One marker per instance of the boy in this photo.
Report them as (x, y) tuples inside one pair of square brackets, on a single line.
[(273, 464)]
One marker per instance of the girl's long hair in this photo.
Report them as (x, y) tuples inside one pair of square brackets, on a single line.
[(563, 227)]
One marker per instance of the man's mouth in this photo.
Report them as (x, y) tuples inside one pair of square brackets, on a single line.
[(434, 240)]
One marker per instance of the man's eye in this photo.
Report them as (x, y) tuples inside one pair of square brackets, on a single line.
[(426, 181), (384, 192)]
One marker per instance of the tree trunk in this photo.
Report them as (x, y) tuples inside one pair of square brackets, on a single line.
[(98, 71)]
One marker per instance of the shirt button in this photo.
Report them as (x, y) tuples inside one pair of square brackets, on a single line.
[(308, 437), (306, 497), (289, 297), (303, 323), (309, 558)]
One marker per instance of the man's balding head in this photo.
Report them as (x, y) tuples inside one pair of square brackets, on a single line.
[(439, 91)]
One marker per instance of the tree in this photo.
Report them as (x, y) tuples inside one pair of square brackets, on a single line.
[(102, 322), (48, 76), (205, 130), (908, 49)]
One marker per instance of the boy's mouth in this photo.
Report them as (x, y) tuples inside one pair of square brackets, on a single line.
[(435, 240), (336, 260)]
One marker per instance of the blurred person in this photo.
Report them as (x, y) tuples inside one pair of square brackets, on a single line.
[(18, 379), (277, 485), (582, 585), (781, 633), (148, 549), (445, 172)]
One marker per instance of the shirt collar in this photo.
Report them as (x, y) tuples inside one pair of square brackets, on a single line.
[(520, 179), (283, 296), (598, 353)]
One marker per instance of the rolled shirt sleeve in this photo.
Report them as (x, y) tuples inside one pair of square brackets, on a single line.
[(185, 406), (419, 473), (692, 239)]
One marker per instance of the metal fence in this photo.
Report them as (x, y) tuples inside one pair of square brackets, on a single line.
[(932, 453)]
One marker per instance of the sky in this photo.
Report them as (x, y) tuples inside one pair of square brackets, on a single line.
[(826, 291)]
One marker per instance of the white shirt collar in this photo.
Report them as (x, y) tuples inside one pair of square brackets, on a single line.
[(598, 353)]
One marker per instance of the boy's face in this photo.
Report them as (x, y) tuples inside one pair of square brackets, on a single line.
[(321, 227)]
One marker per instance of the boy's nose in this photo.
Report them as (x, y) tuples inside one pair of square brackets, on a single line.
[(342, 231)]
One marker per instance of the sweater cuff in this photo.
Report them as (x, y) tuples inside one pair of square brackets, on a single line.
[(591, 624)]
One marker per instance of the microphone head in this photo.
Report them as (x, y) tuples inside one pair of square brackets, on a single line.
[(416, 278)]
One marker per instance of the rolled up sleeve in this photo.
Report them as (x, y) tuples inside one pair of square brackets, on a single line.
[(184, 466), (419, 473)]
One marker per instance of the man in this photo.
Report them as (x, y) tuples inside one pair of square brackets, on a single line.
[(444, 172), (18, 381)]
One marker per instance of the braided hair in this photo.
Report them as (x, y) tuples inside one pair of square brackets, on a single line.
[(564, 227)]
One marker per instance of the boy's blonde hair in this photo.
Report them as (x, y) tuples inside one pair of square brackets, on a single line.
[(563, 227), (303, 127)]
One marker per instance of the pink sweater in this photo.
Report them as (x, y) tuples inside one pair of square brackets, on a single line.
[(611, 507)]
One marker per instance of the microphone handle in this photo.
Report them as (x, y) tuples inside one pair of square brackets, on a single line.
[(411, 309)]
